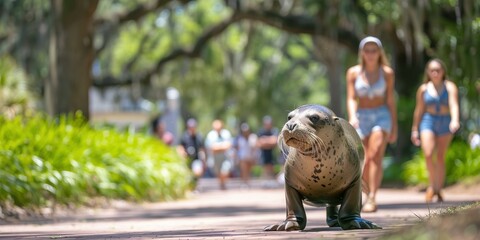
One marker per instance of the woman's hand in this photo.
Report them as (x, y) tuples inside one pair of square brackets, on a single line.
[(354, 122), (392, 138), (415, 138), (454, 126)]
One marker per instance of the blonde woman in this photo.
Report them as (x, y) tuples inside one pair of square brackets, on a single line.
[(435, 119), (372, 111)]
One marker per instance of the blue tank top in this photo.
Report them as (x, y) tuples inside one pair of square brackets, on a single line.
[(437, 101), (377, 89)]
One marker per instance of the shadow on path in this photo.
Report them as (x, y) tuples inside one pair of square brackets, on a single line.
[(220, 211), (182, 234), (191, 213)]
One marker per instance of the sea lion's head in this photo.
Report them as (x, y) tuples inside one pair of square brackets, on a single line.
[(307, 130)]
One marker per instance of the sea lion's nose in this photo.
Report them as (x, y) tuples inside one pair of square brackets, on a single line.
[(291, 126)]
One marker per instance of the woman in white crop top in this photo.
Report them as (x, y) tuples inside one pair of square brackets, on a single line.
[(372, 111)]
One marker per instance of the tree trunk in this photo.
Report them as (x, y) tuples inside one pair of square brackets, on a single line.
[(329, 53), (334, 73), (71, 57)]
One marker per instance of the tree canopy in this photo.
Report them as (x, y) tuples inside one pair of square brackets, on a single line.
[(236, 59)]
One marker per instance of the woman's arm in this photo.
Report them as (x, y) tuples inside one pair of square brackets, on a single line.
[(352, 103), (417, 114), (391, 104), (453, 105)]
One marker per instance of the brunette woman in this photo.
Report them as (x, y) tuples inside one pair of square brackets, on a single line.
[(435, 119)]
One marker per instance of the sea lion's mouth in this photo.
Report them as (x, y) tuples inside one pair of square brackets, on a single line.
[(292, 139), (293, 142)]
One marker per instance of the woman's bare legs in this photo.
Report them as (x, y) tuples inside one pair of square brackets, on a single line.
[(442, 143), (245, 170), (427, 139), (375, 145)]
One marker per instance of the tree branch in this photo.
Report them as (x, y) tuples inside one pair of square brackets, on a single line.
[(300, 24), (193, 52), (296, 24), (108, 25), (141, 50)]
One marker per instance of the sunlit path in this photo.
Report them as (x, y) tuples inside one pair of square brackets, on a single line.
[(236, 213)]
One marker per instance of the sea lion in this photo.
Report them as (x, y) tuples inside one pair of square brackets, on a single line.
[(323, 168)]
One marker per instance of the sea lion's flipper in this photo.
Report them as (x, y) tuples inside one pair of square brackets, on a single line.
[(295, 209), (359, 223), (296, 216), (349, 213), (287, 225), (332, 216)]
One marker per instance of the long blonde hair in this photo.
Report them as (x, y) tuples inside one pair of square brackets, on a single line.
[(426, 79)]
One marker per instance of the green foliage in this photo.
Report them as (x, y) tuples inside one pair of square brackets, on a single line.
[(14, 96), (240, 74), (461, 163), (415, 170), (391, 171), (251, 68), (67, 162), (380, 10), (24, 37)]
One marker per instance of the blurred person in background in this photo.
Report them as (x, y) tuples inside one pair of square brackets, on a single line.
[(218, 143), (435, 119), (372, 111), (267, 142), (192, 148), (159, 131), (245, 152)]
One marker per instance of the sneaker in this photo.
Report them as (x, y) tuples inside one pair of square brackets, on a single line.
[(369, 206)]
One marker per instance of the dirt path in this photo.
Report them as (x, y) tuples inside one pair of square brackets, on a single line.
[(237, 213)]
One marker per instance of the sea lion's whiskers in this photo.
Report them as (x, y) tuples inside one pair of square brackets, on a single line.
[(318, 142), (284, 148), (281, 142), (318, 146), (315, 143)]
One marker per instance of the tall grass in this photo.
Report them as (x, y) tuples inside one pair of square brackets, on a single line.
[(65, 161)]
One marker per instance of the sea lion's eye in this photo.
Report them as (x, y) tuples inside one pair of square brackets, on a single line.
[(289, 117), (314, 118)]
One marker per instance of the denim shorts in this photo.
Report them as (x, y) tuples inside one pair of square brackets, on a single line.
[(373, 119), (438, 124)]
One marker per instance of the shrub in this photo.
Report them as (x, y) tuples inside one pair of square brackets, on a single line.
[(461, 162), (65, 161)]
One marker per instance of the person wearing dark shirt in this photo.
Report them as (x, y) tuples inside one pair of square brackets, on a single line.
[(192, 148), (267, 142)]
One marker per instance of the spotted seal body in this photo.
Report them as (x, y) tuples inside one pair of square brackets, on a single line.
[(323, 168)]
